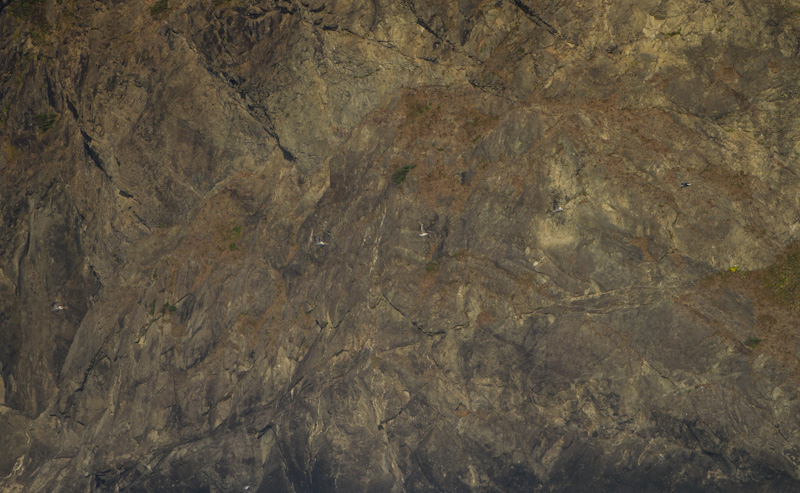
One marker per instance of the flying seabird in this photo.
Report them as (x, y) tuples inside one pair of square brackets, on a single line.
[(318, 242), (422, 231), (685, 184), (556, 207), (57, 307)]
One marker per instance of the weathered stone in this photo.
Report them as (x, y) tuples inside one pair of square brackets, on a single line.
[(228, 198)]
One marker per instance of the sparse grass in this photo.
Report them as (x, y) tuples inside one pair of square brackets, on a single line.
[(44, 121), (168, 307), (10, 151), (399, 176), (27, 9), (774, 292), (782, 279), (33, 12), (420, 109), (461, 255), (4, 114), (428, 117), (736, 185), (432, 267)]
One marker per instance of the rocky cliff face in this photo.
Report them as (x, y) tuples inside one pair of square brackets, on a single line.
[(230, 198)]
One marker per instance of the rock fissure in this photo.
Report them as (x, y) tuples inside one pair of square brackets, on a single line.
[(536, 18)]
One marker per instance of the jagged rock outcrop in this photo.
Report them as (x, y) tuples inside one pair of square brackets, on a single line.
[(229, 198)]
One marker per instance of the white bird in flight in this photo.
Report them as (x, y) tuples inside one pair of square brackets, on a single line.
[(57, 307), (422, 231)]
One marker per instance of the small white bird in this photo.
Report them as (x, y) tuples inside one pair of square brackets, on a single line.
[(318, 242), (57, 307), (422, 231)]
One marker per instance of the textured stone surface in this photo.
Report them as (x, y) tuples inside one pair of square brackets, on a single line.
[(165, 172)]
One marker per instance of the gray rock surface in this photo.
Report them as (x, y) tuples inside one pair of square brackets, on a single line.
[(574, 320)]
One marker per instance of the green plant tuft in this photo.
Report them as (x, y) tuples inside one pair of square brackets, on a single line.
[(399, 176), (44, 121), (432, 267), (232, 237), (752, 342), (159, 7)]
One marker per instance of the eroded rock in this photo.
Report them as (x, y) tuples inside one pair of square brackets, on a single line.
[(227, 196)]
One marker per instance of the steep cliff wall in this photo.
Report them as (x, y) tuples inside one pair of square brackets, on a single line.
[(231, 198)]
